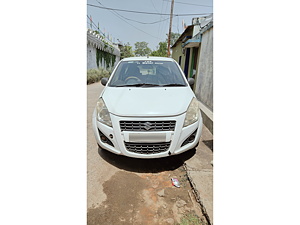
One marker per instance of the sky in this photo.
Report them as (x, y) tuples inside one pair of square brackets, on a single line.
[(131, 27)]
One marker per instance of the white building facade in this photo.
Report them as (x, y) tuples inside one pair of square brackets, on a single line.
[(101, 53)]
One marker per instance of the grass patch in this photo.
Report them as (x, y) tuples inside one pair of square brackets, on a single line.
[(95, 75), (191, 219)]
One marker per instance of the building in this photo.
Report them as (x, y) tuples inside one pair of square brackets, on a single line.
[(180, 54), (101, 52), (193, 50)]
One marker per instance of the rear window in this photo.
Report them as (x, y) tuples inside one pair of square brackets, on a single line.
[(147, 72)]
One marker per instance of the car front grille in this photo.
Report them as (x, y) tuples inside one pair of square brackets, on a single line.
[(148, 125), (147, 148)]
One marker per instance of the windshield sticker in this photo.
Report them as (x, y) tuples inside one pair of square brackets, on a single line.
[(147, 62), (135, 62)]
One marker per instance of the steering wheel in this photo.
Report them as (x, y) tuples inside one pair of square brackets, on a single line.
[(132, 77)]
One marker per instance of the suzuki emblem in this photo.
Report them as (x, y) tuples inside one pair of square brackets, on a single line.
[(148, 125)]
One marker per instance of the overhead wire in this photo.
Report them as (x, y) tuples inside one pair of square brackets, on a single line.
[(136, 20), (177, 24), (164, 23), (151, 13), (94, 25), (161, 21), (160, 24), (142, 22), (154, 6), (120, 17), (189, 3), (166, 9)]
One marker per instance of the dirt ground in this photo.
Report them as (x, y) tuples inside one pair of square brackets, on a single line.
[(147, 198), (123, 190)]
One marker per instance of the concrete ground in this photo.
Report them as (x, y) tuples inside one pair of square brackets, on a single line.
[(200, 172)]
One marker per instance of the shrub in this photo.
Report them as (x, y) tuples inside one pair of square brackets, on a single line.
[(95, 75)]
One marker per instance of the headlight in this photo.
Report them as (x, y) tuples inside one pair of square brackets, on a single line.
[(193, 113), (102, 113)]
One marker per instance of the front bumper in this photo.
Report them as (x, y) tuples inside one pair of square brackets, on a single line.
[(147, 144)]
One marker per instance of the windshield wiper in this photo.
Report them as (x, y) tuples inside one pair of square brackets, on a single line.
[(173, 85), (149, 85), (126, 85), (138, 85)]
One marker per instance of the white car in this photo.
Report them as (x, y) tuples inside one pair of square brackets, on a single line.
[(147, 110)]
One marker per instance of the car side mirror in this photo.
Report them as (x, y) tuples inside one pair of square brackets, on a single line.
[(104, 81), (191, 81)]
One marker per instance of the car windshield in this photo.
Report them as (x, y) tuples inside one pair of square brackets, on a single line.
[(147, 73)]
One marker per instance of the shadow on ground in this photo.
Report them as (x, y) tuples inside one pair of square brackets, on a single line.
[(146, 165), (209, 144)]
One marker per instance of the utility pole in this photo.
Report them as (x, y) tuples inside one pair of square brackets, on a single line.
[(170, 28)]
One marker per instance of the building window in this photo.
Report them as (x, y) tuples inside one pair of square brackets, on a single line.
[(179, 61)]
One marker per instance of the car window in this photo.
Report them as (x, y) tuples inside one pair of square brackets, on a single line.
[(158, 73)]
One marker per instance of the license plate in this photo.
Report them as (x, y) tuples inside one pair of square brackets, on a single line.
[(147, 137)]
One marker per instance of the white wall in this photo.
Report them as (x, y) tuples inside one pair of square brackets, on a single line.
[(91, 57), (204, 78), (95, 42)]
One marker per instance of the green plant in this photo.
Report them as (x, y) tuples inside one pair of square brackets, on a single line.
[(162, 50), (142, 49), (95, 75), (126, 51), (109, 58), (191, 219)]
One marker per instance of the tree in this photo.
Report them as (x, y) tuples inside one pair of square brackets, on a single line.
[(142, 49), (174, 37), (126, 51), (162, 50)]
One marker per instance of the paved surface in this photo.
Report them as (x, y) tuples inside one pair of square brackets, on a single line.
[(200, 170), (123, 190), (96, 172)]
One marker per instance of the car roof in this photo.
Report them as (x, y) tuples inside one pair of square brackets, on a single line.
[(148, 58)]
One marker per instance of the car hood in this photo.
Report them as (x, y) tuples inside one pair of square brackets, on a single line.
[(144, 101)]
